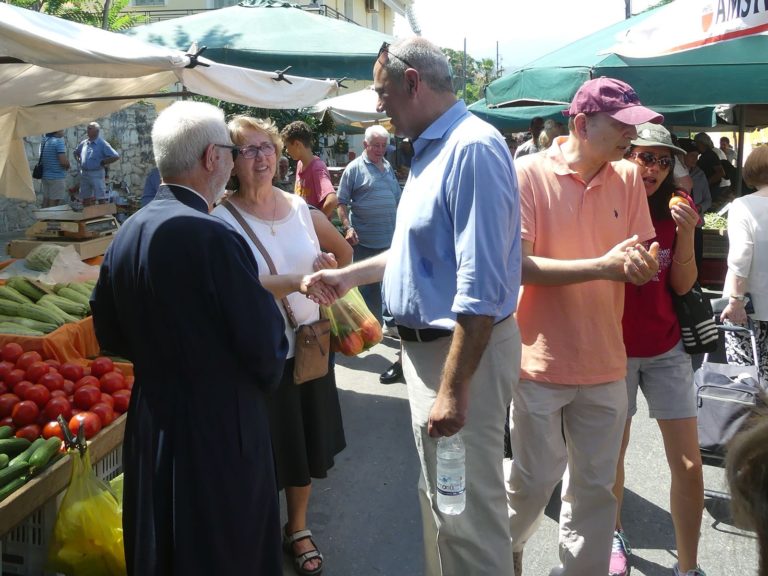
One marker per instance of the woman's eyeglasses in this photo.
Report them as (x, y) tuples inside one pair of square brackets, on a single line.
[(649, 159), (385, 50), (267, 149)]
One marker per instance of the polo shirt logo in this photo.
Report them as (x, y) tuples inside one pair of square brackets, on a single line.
[(615, 213)]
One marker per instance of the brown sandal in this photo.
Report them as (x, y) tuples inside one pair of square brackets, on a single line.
[(300, 559)]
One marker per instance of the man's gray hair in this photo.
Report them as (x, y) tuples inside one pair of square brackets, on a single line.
[(181, 134), (432, 65), (375, 130), (94, 125)]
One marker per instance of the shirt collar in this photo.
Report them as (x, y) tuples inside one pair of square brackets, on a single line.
[(438, 128)]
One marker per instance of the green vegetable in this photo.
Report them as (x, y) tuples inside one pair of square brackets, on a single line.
[(75, 296), (18, 329), (52, 306), (8, 308), (26, 287), (13, 446), (12, 486), (13, 471), (6, 432), (82, 287), (4, 459), (27, 454), (8, 293), (66, 305), (41, 258), (43, 454), (713, 221), (44, 327), (42, 313)]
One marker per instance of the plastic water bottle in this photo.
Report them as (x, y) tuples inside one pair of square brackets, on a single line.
[(451, 475)]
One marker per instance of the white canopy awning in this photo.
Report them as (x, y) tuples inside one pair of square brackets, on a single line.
[(45, 60), (353, 109)]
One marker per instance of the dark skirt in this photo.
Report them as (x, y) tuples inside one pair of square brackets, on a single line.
[(306, 425)]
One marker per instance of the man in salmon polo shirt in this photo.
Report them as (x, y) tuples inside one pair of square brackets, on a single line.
[(584, 217)]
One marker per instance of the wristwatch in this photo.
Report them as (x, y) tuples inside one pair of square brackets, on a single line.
[(738, 297)]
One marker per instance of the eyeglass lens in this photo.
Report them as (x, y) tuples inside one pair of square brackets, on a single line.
[(649, 159), (266, 149)]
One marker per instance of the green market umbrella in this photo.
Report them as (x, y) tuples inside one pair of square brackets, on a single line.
[(271, 35)]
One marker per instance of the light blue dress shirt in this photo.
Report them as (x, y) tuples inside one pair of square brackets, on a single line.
[(92, 152), (456, 247)]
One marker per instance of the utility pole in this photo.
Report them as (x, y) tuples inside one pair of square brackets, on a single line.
[(464, 95), (627, 9)]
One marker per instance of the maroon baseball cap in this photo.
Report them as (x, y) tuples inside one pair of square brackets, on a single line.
[(614, 97)]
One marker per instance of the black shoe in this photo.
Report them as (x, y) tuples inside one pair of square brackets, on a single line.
[(393, 374)]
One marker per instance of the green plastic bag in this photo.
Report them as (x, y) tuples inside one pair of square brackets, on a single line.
[(353, 327), (88, 534)]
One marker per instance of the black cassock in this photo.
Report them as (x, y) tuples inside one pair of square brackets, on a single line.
[(179, 295)]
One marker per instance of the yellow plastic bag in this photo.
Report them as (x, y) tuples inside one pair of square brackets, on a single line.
[(353, 327), (88, 535)]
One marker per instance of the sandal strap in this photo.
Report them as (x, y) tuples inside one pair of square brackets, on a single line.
[(291, 539), (304, 558)]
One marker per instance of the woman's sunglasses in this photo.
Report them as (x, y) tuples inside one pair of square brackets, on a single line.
[(649, 159)]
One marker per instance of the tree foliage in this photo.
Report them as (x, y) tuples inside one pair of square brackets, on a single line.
[(478, 74), (89, 12)]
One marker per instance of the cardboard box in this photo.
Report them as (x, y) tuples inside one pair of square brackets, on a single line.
[(85, 248), (56, 213)]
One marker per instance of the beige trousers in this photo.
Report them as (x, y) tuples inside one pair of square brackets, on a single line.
[(592, 419), (476, 541)]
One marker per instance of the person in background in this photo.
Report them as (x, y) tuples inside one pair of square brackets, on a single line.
[(151, 186), (748, 265), (657, 364), (746, 467), (552, 129), (313, 182), (93, 155), (584, 221), (284, 177), (700, 192), (179, 296), (451, 282), (709, 162), (727, 150), (53, 157), (531, 146), (306, 423)]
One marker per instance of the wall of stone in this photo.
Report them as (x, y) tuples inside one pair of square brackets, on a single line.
[(128, 131)]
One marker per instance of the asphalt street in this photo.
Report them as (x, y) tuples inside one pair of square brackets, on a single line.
[(366, 519)]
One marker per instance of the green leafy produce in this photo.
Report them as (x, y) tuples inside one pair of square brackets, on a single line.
[(713, 221), (41, 258)]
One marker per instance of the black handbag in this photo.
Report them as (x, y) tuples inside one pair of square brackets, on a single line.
[(37, 171), (697, 323)]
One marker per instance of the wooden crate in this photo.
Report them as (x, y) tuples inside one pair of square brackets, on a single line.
[(85, 248), (62, 213)]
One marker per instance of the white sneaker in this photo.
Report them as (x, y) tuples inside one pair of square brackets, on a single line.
[(695, 572)]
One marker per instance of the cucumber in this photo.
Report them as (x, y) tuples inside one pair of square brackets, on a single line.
[(43, 327), (8, 293), (4, 459), (13, 471), (75, 296), (13, 446), (12, 486), (43, 454), (41, 313), (52, 307), (8, 308), (65, 304), (6, 432), (18, 329), (26, 287), (27, 454), (81, 287)]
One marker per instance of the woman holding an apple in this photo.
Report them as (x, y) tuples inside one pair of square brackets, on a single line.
[(657, 363)]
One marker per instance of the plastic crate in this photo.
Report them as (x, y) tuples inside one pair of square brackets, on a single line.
[(25, 549)]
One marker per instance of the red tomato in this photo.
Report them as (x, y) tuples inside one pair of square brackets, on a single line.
[(27, 359), (39, 394), (11, 352), (105, 413), (57, 405), (52, 429), (71, 371), (122, 399), (52, 381), (88, 381), (90, 422), (58, 394), (351, 345), (87, 396), (31, 432), (112, 382), (129, 382), (101, 366), (69, 387), (86, 371), (22, 388), (24, 413), (370, 330), (53, 363), (36, 371), (8, 421), (3, 388), (107, 399), (7, 402), (5, 368), (14, 378)]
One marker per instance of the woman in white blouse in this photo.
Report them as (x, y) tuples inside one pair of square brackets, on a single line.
[(748, 265)]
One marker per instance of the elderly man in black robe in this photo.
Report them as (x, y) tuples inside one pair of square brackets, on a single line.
[(179, 295)]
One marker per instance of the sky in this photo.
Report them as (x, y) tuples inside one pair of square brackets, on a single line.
[(524, 29)]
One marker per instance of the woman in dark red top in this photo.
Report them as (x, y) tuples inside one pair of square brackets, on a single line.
[(657, 363)]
